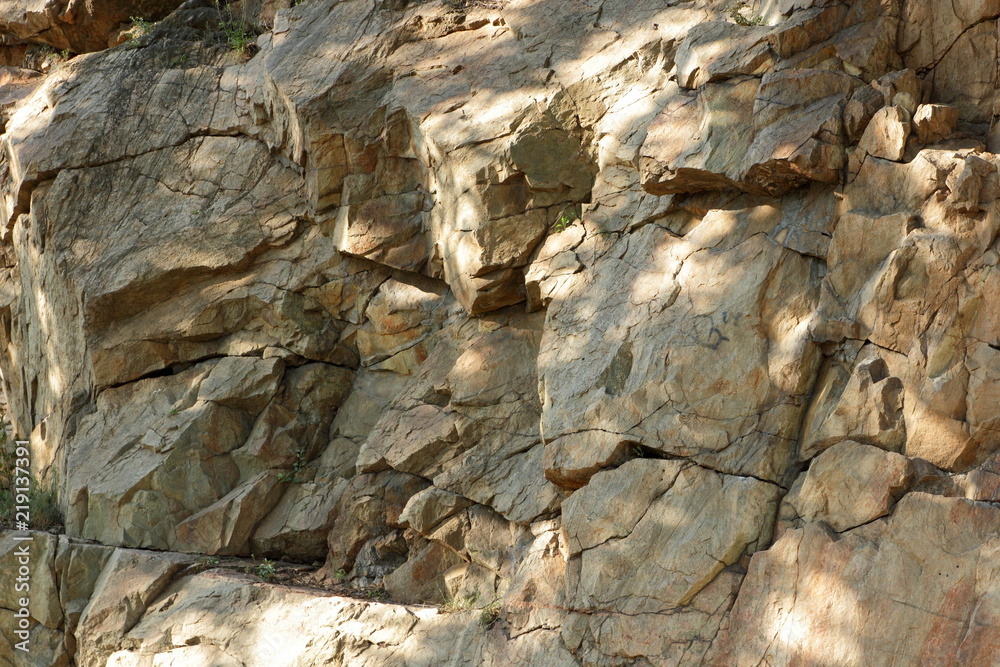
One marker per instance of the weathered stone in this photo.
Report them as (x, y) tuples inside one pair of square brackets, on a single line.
[(469, 421), (260, 618), (885, 136), (536, 596), (952, 43), (699, 139), (867, 408), (850, 484), (31, 563), (369, 508), (78, 567), (422, 579), (297, 527), (611, 571), (555, 260), (860, 110), (797, 129), (660, 366), (630, 526), (130, 581), (224, 527), (400, 317), (269, 301), (904, 82), (934, 122), (701, 60), (480, 535), (80, 28), (425, 510), (927, 571)]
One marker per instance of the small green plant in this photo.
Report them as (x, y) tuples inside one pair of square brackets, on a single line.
[(376, 594), (490, 614), (43, 507), (566, 218), (240, 34), (265, 570), (141, 25), (639, 452), (172, 411), (178, 62), (210, 560), (140, 28), (237, 35), (737, 16), (465, 602), (292, 476), (65, 54), (339, 574)]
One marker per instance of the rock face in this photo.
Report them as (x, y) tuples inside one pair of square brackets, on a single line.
[(652, 333)]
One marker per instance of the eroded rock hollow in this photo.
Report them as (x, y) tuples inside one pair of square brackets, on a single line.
[(540, 332)]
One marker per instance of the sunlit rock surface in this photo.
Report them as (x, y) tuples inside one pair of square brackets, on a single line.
[(589, 333)]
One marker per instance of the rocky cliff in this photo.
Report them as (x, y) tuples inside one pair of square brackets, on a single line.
[(591, 332)]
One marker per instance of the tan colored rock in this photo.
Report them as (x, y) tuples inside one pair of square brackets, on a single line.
[(681, 637), (31, 563), (867, 408), (78, 567), (934, 122), (966, 184), (699, 139), (45, 645), (224, 527), (130, 581), (298, 525), (795, 136), (925, 572), (953, 41), (294, 425), (481, 536), (798, 133), (885, 136), (65, 25), (700, 59), (631, 525), (850, 484), (384, 197), (469, 421), (220, 269), (367, 511), (555, 260), (536, 597), (907, 299), (400, 317), (370, 397), (853, 262), (15, 85), (428, 508), (187, 445), (860, 110), (181, 629), (422, 579), (807, 25), (685, 493), (659, 371), (904, 82)]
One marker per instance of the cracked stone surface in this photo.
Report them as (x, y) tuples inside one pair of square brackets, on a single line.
[(625, 332)]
